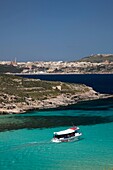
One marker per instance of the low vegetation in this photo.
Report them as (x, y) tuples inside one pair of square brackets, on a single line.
[(18, 95), (22, 88), (10, 68), (98, 58)]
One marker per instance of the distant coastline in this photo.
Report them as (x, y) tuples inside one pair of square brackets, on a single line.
[(94, 64), (58, 73)]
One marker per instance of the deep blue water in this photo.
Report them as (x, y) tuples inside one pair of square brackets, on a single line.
[(102, 83)]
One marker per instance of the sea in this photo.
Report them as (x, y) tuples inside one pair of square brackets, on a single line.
[(102, 83), (25, 139)]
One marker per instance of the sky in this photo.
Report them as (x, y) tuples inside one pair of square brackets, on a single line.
[(55, 30)]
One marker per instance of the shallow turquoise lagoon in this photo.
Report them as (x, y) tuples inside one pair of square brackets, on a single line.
[(28, 147)]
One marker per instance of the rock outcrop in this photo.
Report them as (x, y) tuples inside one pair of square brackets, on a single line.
[(18, 95)]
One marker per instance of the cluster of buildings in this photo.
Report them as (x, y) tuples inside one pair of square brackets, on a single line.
[(42, 67)]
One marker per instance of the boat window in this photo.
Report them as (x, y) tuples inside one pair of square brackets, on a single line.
[(65, 135)]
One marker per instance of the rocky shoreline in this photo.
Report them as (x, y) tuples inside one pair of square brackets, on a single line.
[(19, 95), (62, 100)]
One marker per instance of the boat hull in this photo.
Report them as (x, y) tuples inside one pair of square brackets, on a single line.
[(70, 139)]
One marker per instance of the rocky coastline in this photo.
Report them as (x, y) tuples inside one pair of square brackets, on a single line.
[(53, 103), (18, 95)]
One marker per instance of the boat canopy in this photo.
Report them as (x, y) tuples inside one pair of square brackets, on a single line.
[(67, 131)]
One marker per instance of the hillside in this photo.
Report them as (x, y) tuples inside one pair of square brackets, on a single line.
[(9, 68), (18, 95), (98, 58)]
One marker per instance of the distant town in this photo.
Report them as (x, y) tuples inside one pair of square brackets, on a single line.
[(99, 63)]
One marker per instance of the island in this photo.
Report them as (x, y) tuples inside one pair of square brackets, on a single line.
[(18, 95)]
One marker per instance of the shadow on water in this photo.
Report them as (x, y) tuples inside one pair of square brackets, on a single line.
[(85, 117), (53, 121), (100, 104)]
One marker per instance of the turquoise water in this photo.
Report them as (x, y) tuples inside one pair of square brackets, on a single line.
[(26, 145)]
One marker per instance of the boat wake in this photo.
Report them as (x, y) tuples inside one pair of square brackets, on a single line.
[(37, 143), (29, 144), (33, 144)]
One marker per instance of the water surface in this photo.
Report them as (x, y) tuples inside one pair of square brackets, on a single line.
[(102, 83), (25, 139)]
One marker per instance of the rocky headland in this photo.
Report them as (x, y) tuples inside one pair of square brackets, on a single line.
[(18, 95)]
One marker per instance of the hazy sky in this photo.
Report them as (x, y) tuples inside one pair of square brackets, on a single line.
[(55, 29)]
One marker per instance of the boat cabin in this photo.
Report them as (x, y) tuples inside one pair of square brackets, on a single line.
[(66, 133)]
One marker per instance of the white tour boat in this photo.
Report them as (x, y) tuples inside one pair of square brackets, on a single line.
[(67, 135)]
